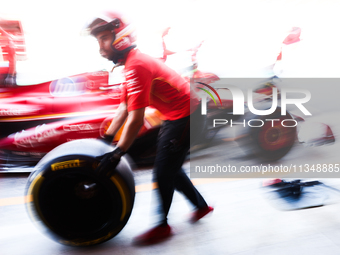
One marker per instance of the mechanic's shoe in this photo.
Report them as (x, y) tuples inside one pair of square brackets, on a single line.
[(154, 235), (200, 213)]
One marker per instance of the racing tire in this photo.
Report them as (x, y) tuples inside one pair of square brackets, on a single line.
[(272, 141), (73, 205)]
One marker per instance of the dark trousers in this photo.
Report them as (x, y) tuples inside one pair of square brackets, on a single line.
[(173, 146)]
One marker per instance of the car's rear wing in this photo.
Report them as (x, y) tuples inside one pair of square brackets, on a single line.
[(13, 28)]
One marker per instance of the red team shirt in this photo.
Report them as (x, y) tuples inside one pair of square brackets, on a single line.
[(149, 82)]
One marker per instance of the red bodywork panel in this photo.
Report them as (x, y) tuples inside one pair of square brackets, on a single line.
[(77, 107), (71, 96), (14, 28)]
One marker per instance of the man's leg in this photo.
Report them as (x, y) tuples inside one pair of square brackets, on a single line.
[(169, 159), (172, 148), (164, 173), (174, 144), (184, 185)]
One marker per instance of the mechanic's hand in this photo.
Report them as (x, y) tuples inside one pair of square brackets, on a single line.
[(10, 81), (107, 138), (109, 162)]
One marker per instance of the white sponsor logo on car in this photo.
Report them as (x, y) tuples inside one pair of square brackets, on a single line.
[(77, 127)]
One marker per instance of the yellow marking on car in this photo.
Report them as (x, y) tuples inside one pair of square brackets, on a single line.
[(6, 94), (154, 120)]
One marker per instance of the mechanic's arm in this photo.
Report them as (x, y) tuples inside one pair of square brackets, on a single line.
[(118, 121), (133, 124), (110, 160)]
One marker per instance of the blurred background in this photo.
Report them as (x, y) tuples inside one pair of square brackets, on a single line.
[(241, 38)]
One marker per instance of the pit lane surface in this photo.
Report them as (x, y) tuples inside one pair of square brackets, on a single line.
[(245, 221)]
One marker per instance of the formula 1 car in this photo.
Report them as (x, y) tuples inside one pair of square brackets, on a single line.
[(268, 137)]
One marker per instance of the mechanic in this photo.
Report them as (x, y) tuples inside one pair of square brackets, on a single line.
[(149, 82), (9, 47)]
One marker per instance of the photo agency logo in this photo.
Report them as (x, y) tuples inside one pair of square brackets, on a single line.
[(240, 106)]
